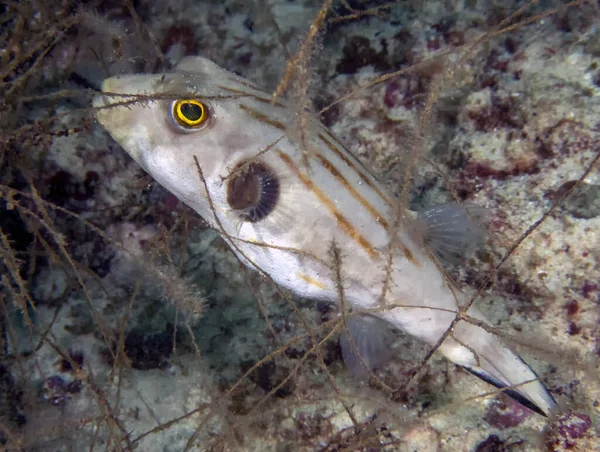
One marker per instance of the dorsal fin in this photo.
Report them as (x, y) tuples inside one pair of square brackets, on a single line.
[(452, 230)]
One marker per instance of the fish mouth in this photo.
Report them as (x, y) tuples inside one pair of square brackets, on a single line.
[(100, 101), (121, 109), (124, 91), (113, 85), (113, 106)]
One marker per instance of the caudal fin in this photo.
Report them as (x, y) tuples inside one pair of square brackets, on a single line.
[(484, 355)]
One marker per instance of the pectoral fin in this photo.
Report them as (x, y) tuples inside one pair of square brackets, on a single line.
[(371, 337)]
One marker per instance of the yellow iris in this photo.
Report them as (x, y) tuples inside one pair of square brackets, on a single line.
[(190, 113)]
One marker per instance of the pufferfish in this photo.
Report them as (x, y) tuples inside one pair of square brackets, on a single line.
[(282, 196)]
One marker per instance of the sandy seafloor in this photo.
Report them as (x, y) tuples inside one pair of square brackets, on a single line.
[(517, 126)]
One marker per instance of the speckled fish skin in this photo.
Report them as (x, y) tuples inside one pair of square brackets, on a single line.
[(325, 196)]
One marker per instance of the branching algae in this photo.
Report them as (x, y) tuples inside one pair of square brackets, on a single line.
[(127, 324)]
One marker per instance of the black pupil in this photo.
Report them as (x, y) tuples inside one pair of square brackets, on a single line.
[(192, 112)]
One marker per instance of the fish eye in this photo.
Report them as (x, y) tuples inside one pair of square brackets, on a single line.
[(189, 113), (252, 190)]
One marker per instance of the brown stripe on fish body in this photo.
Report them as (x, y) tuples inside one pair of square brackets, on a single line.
[(251, 95), (349, 187), (311, 281), (344, 182), (343, 154), (243, 81), (262, 117), (321, 196), (409, 255)]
